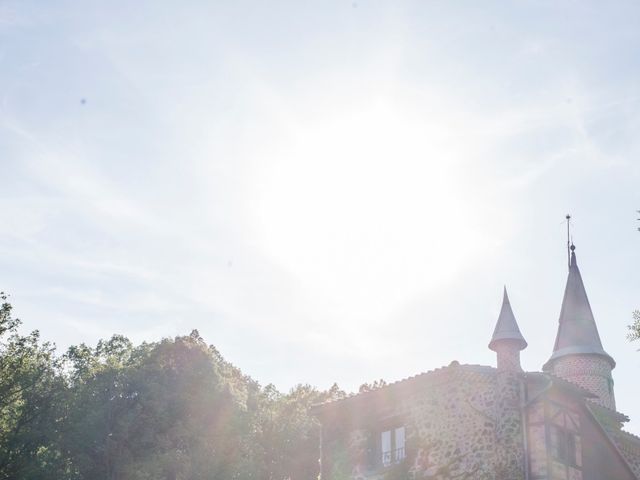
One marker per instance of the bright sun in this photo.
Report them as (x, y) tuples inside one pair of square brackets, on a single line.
[(364, 208)]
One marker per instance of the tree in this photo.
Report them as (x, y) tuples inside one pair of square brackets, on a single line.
[(376, 384), (32, 389), (288, 435), (634, 328), (160, 410), (173, 409)]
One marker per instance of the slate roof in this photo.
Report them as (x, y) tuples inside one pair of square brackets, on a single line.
[(435, 375), (577, 330), (507, 327)]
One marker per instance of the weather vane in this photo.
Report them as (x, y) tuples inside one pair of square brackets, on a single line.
[(568, 217)]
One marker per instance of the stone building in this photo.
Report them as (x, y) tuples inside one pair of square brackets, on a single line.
[(480, 422)]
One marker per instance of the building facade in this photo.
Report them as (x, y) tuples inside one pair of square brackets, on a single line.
[(480, 422)]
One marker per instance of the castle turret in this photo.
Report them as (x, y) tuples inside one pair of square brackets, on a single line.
[(578, 355), (507, 341)]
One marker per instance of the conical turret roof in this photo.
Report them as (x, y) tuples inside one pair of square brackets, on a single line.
[(507, 327), (577, 330)]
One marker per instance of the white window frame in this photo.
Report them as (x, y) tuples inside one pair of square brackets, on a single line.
[(393, 445)]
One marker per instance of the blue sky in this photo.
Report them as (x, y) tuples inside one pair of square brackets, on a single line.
[(328, 191)]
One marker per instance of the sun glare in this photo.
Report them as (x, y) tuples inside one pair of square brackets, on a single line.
[(363, 208)]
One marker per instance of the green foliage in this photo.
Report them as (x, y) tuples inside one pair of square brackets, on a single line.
[(634, 328), (367, 387), (340, 459), (32, 393), (288, 435), (173, 409)]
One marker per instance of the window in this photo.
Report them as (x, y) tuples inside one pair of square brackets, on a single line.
[(392, 446), (563, 445)]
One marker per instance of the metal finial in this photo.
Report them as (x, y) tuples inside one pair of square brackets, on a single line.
[(569, 243)]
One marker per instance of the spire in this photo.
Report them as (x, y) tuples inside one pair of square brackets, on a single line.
[(577, 330), (507, 327)]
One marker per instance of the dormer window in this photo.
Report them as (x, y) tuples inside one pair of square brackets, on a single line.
[(392, 446)]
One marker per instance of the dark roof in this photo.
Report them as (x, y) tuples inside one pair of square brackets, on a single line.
[(507, 327), (608, 412), (561, 383), (577, 330)]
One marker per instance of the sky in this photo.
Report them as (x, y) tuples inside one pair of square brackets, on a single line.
[(330, 191)]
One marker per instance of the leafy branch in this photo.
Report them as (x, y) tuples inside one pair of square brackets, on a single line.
[(634, 328)]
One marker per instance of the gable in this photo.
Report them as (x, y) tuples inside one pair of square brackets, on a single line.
[(559, 410)]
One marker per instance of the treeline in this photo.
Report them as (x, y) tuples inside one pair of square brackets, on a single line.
[(173, 409)]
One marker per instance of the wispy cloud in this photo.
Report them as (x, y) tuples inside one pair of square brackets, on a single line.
[(346, 186)]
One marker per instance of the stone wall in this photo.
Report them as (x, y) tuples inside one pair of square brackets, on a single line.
[(508, 358), (593, 373), (461, 422)]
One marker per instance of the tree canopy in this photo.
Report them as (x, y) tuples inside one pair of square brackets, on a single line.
[(634, 328), (173, 409)]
